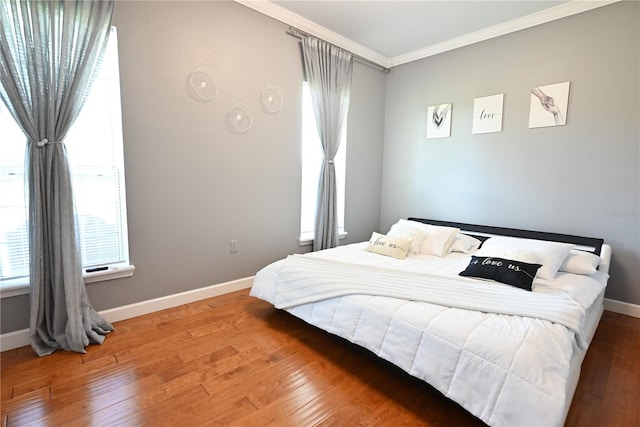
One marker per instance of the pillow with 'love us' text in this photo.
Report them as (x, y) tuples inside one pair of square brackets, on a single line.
[(515, 273)]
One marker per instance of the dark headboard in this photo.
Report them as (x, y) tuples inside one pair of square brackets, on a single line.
[(591, 244)]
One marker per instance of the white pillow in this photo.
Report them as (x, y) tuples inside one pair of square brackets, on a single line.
[(408, 230), (396, 247), (465, 244), (580, 262), (550, 254), (439, 240), (428, 239)]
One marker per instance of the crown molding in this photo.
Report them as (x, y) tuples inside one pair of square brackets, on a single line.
[(554, 13), (284, 15)]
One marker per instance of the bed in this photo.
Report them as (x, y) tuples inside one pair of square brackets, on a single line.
[(497, 319)]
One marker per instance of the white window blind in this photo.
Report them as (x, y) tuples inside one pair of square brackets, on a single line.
[(95, 149), (312, 157)]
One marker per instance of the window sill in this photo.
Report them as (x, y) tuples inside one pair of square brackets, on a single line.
[(114, 272), (306, 240), (21, 287)]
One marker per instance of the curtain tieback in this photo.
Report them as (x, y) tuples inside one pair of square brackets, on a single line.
[(45, 141), (330, 162)]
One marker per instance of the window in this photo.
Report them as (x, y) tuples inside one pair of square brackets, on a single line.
[(312, 157), (95, 149)]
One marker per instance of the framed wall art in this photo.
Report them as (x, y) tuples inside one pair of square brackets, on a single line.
[(549, 105), (439, 121), (487, 114)]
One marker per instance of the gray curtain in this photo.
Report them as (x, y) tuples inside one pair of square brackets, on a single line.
[(328, 70), (49, 53)]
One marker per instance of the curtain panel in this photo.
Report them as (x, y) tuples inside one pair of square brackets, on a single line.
[(328, 70), (49, 54)]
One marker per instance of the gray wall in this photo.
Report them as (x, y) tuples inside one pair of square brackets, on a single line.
[(191, 184), (582, 178)]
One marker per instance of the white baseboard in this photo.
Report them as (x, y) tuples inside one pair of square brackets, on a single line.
[(14, 339), (20, 338), (157, 304), (620, 307)]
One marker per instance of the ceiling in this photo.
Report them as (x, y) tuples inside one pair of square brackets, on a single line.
[(393, 32)]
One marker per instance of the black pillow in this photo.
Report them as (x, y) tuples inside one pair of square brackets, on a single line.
[(515, 273)]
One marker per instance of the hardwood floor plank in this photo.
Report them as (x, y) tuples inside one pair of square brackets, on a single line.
[(292, 375), (213, 375), (124, 413), (59, 375), (204, 345), (235, 360), (595, 370), (317, 396), (6, 392), (243, 374), (199, 320), (27, 407), (33, 367), (278, 413), (225, 414), (204, 364), (360, 403), (117, 342), (194, 407), (96, 386), (236, 321), (621, 400), (585, 410), (8, 356), (85, 401), (111, 377), (155, 347)]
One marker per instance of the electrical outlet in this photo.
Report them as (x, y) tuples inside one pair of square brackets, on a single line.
[(233, 246)]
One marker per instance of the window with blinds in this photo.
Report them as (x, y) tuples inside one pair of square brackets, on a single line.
[(95, 150)]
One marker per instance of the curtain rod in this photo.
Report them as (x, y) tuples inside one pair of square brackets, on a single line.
[(294, 32)]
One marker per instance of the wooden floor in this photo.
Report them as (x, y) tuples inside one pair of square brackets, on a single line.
[(234, 360)]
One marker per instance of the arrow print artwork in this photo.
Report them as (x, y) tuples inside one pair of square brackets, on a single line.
[(439, 121)]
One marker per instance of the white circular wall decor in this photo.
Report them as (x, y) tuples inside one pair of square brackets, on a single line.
[(240, 118), (201, 85), (271, 99)]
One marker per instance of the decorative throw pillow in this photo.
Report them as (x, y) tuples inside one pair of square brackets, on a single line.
[(550, 255), (514, 273), (396, 247), (580, 262)]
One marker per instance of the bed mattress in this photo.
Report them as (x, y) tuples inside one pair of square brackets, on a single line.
[(507, 370)]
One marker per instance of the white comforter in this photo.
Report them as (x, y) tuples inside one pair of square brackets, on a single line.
[(507, 370)]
